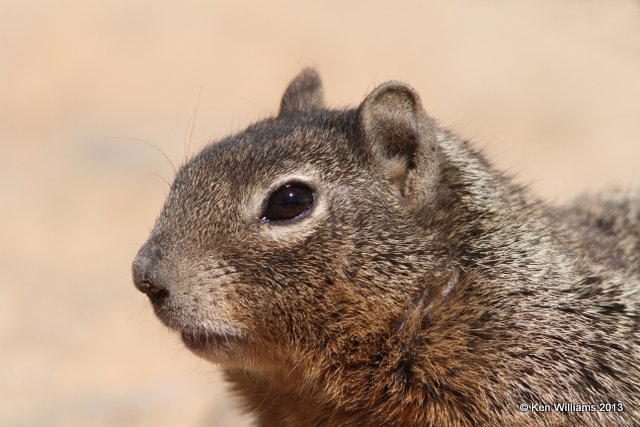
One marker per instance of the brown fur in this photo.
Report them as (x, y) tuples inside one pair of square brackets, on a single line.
[(424, 287)]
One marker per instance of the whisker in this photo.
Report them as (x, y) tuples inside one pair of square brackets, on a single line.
[(152, 145), (193, 124), (159, 176), (255, 104)]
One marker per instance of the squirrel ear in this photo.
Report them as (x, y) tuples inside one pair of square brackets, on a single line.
[(304, 94), (397, 132)]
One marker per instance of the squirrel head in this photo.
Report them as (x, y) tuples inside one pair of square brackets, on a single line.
[(301, 232)]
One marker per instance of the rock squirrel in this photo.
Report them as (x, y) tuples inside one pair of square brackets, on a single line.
[(365, 267)]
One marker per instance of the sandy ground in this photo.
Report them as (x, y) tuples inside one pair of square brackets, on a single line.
[(551, 88)]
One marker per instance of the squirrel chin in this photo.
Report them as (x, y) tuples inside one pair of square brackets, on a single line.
[(210, 345)]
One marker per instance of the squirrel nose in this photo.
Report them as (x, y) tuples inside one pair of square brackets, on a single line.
[(148, 278)]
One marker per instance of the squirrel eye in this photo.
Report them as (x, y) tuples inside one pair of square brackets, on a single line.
[(288, 202)]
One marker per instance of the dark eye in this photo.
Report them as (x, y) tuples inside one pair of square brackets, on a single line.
[(288, 202)]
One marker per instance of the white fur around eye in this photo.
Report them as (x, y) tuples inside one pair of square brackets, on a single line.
[(292, 230)]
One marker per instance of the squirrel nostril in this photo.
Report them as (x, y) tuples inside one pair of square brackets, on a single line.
[(148, 278)]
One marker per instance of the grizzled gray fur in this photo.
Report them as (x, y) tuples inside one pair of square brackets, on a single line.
[(365, 267)]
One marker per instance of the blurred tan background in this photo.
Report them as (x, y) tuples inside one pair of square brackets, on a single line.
[(550, 88)]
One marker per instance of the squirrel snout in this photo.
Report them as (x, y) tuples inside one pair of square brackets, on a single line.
[(148, 277)]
